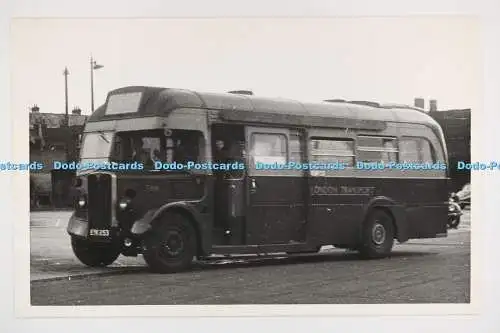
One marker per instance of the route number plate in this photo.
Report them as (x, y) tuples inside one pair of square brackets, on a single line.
[(99, 232)]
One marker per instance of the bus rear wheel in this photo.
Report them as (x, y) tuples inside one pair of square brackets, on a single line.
[(378, 235), (171, 245), (94, 254)]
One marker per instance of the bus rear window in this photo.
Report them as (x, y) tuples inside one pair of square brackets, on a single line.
[(415, 150)]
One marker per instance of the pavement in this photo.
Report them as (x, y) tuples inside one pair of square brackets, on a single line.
[(419, 271)]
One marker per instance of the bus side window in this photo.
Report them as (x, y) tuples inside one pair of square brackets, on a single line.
[(268, 148), (377, 149), (329, 150), (415, 150)]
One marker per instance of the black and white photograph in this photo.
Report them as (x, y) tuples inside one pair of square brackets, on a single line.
[(246, 161)]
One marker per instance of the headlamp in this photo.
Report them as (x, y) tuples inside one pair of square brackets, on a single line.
[(124, 203), (127, 198), (82, 202)]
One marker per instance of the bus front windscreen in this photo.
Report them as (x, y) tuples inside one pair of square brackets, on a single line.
[(96, 146)]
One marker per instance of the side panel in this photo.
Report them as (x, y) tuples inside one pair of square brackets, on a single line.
[(340, 198), (157, 191), (339, 205)]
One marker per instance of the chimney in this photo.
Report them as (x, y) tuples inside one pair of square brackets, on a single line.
[(419, 103), (76, 111), (336, 100), (433, 105), (35, 109)]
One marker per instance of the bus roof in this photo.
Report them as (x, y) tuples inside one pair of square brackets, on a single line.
[(158, 101)]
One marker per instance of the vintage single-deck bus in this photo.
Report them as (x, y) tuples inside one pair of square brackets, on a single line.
[(192, 175)]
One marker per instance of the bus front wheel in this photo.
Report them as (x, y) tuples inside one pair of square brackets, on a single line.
[(171, 244), (378, 235), (94, 254)]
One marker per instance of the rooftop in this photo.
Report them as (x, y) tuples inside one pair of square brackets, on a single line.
[(143, 101), (55, 120)]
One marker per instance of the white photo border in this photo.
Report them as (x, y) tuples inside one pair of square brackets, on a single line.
[(16, 249)]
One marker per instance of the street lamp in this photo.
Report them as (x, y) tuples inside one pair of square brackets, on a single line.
[(93, 66)]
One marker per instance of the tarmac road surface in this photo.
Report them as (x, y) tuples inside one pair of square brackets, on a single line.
[(420, 271)]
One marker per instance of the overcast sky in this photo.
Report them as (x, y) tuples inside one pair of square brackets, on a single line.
[(382, 59)]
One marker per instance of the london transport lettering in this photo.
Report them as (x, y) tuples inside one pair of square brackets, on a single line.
[(341, 190)]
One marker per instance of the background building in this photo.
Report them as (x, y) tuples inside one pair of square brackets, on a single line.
[(456, 129), (51, 140), (456, 125)]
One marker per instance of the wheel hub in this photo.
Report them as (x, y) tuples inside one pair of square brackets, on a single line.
[(378, 234), (173, 244)]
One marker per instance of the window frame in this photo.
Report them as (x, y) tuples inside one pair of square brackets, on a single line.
[(302, 149)]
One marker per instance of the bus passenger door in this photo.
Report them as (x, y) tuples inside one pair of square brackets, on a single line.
[(275, 195)]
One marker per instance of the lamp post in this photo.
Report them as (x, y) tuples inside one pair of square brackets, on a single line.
[(66, 73), (93, 67), (66, 117)]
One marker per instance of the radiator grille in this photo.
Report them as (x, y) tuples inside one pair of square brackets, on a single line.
[(99, 201)]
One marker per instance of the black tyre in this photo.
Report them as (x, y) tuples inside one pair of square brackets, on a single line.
[(171, 245), (94, 254), (378, 235)]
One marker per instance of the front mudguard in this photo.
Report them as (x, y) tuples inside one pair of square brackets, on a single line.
[(77, 226), (143, 225)]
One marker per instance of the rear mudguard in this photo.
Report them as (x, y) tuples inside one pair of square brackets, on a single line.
[(396, 210), (144, 224)]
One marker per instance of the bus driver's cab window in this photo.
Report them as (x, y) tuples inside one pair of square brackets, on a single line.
[(184, 146), (151, 146)]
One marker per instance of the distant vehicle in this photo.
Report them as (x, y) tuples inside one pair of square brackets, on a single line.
[(454, 212), (464, 196)]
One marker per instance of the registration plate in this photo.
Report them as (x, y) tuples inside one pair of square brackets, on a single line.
[(99, 232)]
